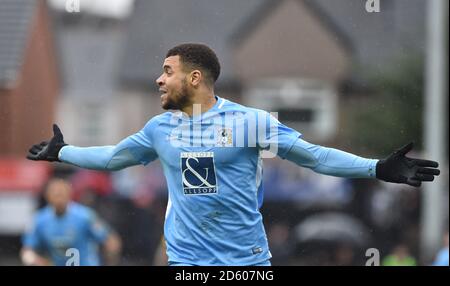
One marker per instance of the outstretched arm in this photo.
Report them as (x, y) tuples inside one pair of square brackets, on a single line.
[(397, 168), (131, 151), (329, 161), (112, 248), (110, 158), (30, 257)]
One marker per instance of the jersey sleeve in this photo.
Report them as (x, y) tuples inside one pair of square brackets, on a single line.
[(133, 150), (32, 238), (273, 136), (329, 161), (98, 230)]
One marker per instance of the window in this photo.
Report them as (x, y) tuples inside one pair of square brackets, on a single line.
[(309, 106)]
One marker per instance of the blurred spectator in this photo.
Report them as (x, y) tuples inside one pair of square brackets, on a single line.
[(344, 255), (149, 201), (94, 189), (160, 258), (88, 185), (64, 225), (442, 256), (280, 243), (400, 256), (284, 181)]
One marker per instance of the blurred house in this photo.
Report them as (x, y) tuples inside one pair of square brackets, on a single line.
[(294, 57), (266, 62), (29, 79), (300, 58), (292, 62), (91, 111)]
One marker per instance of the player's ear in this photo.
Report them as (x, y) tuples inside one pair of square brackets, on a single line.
[(195, 77)]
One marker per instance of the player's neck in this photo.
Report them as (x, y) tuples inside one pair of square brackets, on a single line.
[(60, 212), (201, 103)]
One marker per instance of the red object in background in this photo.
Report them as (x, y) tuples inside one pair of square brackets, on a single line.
[(87, 180), (23, 175)]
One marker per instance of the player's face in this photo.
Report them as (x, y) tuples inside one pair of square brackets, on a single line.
[(58, 195), (172, 84)]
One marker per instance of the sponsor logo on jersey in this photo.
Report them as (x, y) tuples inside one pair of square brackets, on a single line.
[(198, 173)]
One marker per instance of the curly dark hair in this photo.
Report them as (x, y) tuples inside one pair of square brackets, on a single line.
[(198, 56)]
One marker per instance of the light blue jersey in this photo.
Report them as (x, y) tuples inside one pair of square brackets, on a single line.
[(213, 166), (78, 228), (442, 257)]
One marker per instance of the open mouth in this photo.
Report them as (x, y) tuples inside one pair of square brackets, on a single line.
[(162, 92)]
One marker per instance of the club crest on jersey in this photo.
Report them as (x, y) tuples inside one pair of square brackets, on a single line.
[(225, 137), (198, 173)]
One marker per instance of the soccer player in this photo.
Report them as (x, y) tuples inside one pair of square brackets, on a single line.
[(443, 254), (66, 233), (211, 151)]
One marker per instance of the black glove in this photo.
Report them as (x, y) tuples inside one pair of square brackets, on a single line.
[(48, 151), (397, 168)]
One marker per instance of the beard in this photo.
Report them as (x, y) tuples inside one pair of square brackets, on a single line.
[(178, 99)]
